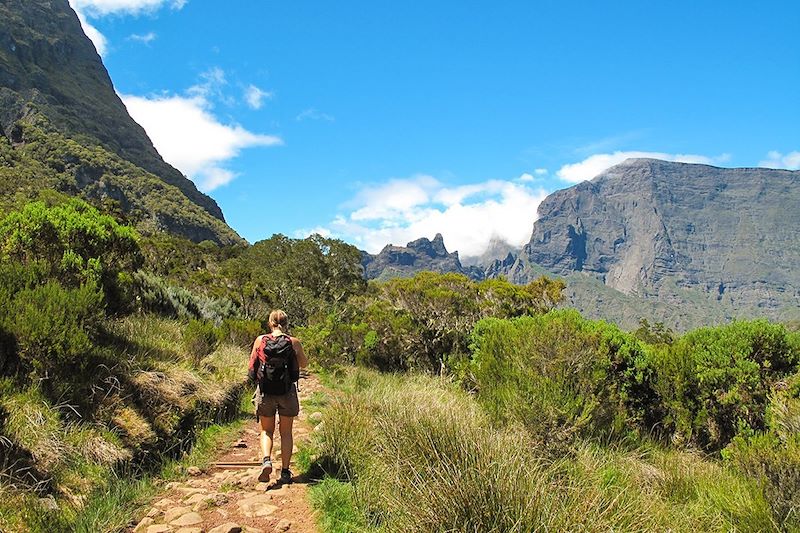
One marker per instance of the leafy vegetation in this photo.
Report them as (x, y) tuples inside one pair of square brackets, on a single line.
[(421, 323)]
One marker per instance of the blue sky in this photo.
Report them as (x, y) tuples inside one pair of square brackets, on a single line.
[(381, 122)]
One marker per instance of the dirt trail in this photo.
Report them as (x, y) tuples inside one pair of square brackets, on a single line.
[(221, 500)]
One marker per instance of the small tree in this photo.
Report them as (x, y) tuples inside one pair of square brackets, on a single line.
[(74, 241)]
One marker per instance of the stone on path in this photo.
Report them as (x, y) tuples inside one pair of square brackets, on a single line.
[(193, 471), (199, 497), (154, 512), (283, 526), (190, 530), (141, 526), (256, 506), (229, 527), (187, 519), (175, 512), (159, 528), (188, 491), (166, 502)]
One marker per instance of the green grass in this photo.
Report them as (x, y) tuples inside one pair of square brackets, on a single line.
[(416, 454), (336, 501)]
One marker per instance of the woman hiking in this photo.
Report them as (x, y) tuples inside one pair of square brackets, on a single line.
[(275, 364)]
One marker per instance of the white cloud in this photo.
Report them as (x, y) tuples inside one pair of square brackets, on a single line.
[(540, 171), (393, 200), (313, 114), (191, 138), (526, 177), (146, 38), (594, 165), (467, 216), (303, 233), (212, 81), (790, 161), (99, 8), (255, 97)]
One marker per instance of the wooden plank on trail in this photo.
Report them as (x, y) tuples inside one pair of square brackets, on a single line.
[(237, 464)]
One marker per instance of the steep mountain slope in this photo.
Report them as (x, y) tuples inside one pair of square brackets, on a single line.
[(684, 244), (692, 237), (53, 86)]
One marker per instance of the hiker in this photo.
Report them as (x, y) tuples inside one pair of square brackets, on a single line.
[(275, 364)]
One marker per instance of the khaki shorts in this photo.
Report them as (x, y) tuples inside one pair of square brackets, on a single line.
[(286, 404)]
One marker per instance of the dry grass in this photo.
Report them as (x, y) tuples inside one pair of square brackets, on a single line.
[(156, 389)]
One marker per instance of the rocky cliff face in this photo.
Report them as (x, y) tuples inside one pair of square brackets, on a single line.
[(51, 75), (676, 233), (416, 256)]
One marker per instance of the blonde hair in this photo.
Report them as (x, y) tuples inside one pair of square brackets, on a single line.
[(280, 320)]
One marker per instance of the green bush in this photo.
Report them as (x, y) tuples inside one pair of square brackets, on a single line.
[(54, 328), (199, 339), (715, 380), (73, 241), (153, 294), (773, 457), (239, 332), (421, 323), (776, 465), (561, 375)]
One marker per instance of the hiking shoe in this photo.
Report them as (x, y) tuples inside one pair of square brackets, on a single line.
[(266, 470), (286, 476)]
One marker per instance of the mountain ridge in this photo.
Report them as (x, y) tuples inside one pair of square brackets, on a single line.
[(681, 243), (52, 79)]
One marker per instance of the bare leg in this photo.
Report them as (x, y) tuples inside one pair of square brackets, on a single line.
[(267, 430), (287, 442)]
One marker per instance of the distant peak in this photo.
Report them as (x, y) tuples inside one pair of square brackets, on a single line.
[(438, 244), (432, 248)]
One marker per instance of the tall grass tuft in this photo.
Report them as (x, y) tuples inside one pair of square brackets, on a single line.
[(422, 456)]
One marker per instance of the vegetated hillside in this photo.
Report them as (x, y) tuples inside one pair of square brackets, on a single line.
[(563, 423), (720, 243), (51, 78)]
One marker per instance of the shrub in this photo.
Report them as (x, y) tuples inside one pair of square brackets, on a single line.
[(153, 294), (421, 456), (561, 375), (199, 339), (74, 241), (776, 465), (54, 328), (422, 323), (341, 336), (773, 456), (715, 380)]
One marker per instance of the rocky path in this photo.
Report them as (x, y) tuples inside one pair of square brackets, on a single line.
[(222, 500)]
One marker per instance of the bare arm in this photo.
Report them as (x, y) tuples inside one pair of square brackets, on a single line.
[(251, 368), (302, 360)]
